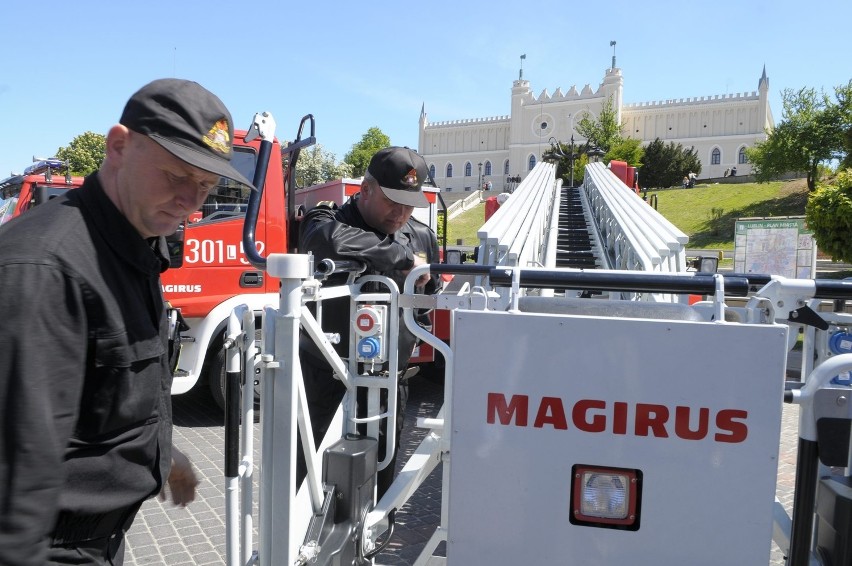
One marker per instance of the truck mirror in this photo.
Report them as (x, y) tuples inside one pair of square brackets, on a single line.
[(454, 257), (706, 264)]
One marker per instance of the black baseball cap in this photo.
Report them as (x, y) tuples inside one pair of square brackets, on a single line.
[(188, 121), (400, 173)]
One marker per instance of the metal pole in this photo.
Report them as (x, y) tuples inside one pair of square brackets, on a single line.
[(804, 499), (278, 539), (572, 161), (232, 438)]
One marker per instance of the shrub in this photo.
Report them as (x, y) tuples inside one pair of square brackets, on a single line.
[(829, 214)]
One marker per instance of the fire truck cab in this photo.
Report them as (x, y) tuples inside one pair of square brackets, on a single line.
[(209, 272), (36, 185)]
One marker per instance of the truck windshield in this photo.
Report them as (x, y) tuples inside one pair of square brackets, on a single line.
[(7, 209), (229, 199), (10, 190)]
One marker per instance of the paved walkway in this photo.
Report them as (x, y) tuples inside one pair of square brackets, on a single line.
[(163, 534)]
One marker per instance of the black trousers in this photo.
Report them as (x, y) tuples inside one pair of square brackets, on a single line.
[(96, 552), (324, 394), (91, 540)]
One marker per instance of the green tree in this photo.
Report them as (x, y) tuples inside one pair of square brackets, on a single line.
[(628, 150), (829, 214), (560, 154), (811, 132), (665, 165), (844, 112), (84, 154), (603, 131), (361, 153), (316, 165)]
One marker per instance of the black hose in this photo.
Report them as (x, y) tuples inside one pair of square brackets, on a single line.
[(381, 547)]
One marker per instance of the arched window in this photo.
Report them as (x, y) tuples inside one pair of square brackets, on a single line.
[(432, 170), (742, 158), (449, 170), (468, 169), (715, 156), (506, 167), (532, 162), (487, 170)]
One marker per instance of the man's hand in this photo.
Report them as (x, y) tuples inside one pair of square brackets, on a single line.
[(423, 279), (182, 480)]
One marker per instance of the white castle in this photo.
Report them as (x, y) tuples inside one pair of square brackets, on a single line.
[(465, 154)]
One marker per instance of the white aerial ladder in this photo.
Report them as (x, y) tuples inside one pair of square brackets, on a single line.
[(573, 430)]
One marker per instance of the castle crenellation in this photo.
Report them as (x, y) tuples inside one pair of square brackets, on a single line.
[(696, 100), (467, 121)]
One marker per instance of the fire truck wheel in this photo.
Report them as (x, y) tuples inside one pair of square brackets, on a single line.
[(216, 380)]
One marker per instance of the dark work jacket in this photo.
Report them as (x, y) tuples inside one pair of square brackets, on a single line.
[(341, 233), (84, 382)]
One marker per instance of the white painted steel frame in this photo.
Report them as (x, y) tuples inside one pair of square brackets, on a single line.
[(436, 447)]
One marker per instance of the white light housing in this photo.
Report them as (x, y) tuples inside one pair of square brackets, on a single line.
[(605, 497)]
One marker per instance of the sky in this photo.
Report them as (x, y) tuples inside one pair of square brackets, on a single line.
[(69, 67)]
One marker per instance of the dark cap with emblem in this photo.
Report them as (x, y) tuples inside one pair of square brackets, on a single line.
[(188, 121), (400, 173)]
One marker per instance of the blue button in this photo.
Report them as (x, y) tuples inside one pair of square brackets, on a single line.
[(369, 347), (842, 379), (840, 343)]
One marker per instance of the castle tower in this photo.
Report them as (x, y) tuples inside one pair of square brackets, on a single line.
[(521, 93), (765, 119), (421, 138), (613, 87)]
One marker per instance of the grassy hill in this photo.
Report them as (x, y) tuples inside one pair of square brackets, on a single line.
[(706, 213)]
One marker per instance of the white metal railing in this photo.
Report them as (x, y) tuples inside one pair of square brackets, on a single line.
[(629, 234), (517, 234), (635, 236), (463, 205)]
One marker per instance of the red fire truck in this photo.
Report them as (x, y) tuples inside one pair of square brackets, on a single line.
[(210, 269), (37, 184)]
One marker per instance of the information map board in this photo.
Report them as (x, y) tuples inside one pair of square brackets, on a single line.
[(775, 246)]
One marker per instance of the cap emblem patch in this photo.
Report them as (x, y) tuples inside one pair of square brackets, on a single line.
[(217, 137), (410, 178)]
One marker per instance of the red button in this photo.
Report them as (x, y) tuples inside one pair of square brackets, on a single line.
[(365, 321)]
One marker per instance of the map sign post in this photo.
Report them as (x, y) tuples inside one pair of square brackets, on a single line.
[(775, 246)]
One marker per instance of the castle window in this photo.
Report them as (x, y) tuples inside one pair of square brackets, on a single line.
[(742, 158), (432, 170), (715, 156), (449, 170), (468, 169), (506, 167), (487, 170), (531, 162)]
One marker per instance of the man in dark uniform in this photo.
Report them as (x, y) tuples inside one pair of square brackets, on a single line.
[(375, 227), (85, 388)]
